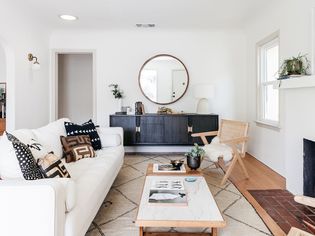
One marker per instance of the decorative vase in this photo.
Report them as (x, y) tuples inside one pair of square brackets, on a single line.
[(119, 104), (193, 162)]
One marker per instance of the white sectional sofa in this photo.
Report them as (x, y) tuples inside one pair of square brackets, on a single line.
[(60, 206)]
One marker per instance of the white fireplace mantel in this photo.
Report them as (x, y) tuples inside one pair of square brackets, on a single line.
[(297, 82)]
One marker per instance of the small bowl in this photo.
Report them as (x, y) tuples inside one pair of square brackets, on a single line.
[(176, 163), (190, 179)]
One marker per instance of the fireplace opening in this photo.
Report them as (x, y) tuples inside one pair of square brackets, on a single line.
[(309, 168)]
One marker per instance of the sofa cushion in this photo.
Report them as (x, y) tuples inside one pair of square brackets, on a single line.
[(25, 158), (86, 128), (52, 167), (49, 136), (77, 147), (96, 175), (9, 165)]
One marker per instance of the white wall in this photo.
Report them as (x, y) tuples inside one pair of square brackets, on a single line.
[(75, 83), (282, 149), (27, 92), (2, 65), (211, 57)]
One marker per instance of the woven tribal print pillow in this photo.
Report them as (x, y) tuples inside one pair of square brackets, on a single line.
[(77, 147)]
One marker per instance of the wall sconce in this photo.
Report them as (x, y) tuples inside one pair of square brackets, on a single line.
[(35, 65)]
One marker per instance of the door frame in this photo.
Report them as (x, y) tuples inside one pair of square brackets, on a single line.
[(53, 105)]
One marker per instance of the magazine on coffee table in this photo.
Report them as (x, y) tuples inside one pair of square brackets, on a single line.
[(168, 192), (168, 168)]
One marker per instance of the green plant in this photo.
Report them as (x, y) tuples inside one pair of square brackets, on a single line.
[(118, 94), (195, 151), (295, 66)]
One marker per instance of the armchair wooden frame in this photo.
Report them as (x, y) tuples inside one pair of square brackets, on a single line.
[(234, 134)]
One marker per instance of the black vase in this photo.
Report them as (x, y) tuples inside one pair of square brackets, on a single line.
[(193, 162)]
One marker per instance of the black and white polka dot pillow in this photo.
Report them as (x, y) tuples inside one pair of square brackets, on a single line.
[(27, 162)]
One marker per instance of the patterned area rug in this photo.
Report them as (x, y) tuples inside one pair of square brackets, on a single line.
[(118, 212)]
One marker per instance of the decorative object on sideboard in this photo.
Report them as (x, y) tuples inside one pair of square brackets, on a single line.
[(139, 108), (118, 94), (31, 58), (294, 67), (203, 92), (195, 157), (124, 110), (163, 79), (165, 110)]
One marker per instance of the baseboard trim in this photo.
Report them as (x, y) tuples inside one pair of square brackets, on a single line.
[(157, 149)]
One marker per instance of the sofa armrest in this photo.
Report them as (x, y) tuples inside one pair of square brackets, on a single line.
[(32, 207), (103, 131)]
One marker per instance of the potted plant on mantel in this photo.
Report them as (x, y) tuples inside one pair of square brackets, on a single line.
[(194, 157), (294, 67), (118, 94)]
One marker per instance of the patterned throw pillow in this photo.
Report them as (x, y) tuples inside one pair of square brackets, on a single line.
[(37, 149), (52, 167), (77, 147), (86, 128), (25, 158)]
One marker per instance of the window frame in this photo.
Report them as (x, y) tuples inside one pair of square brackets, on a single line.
[(261, 48)]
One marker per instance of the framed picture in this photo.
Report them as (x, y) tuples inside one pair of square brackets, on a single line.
[(3, 93)]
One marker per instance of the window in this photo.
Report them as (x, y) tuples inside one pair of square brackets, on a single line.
[(268, 66)]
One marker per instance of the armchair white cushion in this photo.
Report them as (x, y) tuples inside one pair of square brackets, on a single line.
[(215, 149)]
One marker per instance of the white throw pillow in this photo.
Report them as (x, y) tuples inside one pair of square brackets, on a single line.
[(9, 165), (110, 140), (49, 135), (24, 135)]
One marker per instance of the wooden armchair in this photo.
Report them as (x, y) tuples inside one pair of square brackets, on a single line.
[(234, 134)]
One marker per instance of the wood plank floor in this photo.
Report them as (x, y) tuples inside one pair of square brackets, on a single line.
[(261, 177)]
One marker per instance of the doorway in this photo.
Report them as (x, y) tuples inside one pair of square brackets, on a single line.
[(3, 80), (74, 85)]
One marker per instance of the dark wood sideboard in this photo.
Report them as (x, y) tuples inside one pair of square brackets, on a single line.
[(156, 129)]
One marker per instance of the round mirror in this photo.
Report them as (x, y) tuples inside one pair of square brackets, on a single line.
[(163, 79)]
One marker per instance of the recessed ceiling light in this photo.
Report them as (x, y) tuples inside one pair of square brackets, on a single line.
[(145, 25), (68, 17)]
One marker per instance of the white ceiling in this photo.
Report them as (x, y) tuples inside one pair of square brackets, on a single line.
[(166, 14)]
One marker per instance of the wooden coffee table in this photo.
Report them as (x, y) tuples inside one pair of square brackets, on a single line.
[(201, 211)]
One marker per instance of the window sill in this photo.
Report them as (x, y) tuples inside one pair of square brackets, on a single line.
[(270, 125)]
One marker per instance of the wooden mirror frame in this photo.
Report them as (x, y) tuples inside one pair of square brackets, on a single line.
[(163, 55)]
